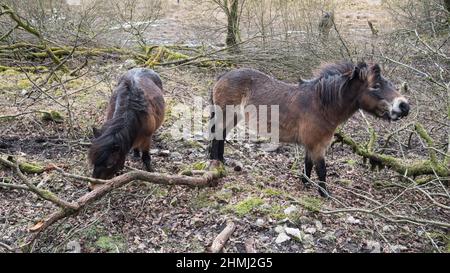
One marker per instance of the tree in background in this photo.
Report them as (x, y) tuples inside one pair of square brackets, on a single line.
[(232, 10)]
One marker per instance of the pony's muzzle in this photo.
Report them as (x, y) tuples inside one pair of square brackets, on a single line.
[(400, 108)]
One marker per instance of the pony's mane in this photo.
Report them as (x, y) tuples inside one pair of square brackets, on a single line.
[(331, 79), (120, 131)]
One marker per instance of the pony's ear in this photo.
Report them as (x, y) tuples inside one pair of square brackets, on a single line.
[(355, 73), (362, 64), (376, 70), (96, 132)]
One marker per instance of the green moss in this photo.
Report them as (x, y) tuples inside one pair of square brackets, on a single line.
[(52, 116), (272, 192), (48, 194), (111, 243), (351, 162), (27, 167), (246, 206), (24, 84), (9, 72), (219, 170), (74, 84), (186, 172), (274, 211), (199, 166), (174, 56), (311, 203), (193, 144)]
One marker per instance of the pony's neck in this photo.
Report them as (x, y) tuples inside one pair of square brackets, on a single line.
[(342, 109), (122, 128)]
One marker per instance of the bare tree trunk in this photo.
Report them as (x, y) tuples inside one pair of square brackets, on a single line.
[(233, 32)]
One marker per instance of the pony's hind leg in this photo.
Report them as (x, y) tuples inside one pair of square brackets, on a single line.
[(136, 153), (146, 159), (215, 143), (306, 176)]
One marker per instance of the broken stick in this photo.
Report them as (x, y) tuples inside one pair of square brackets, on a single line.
[(222, 238)]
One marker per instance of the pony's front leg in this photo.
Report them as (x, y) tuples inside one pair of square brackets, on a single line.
[(308, 168), (321, 171)]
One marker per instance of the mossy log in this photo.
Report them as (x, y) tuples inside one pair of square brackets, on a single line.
[(151, 57), (52, 115), (28, 167), (420, 167)]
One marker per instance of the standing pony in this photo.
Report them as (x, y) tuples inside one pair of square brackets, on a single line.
[(309, 112), (135, 112)]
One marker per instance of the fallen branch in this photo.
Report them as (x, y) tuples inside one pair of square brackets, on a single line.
[(421, 167), (105, 186), (392, 218), (222, 238)]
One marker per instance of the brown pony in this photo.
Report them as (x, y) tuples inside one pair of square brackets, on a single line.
[(135, 111), (309, 112)]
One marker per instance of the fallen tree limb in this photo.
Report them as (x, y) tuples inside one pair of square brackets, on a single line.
[(67, 209), (422, 167), (222, 238), (392, 218), (44, 194)]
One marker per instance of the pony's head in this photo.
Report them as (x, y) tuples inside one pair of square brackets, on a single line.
[(377, 95), (107, 155)]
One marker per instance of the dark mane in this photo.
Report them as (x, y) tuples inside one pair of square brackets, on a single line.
[(330, 81), (120, 131)]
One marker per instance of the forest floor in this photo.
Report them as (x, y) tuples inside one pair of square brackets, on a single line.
[(263, 199)]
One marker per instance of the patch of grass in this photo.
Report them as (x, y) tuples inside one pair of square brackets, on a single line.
[(10, 72), (74, 84), (246, 206), (23, 84), (111, 243), (351, 162), (275, 211), (311, 203), (272, 192)]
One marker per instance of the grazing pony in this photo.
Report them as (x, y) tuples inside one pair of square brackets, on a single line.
[(309, 112), (135, 112)]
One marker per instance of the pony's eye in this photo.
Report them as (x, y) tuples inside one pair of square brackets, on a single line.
[(376, 86)]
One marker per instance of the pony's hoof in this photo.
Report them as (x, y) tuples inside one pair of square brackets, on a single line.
[(149, 168), (136, 155), (306, 183), (324, 193)]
